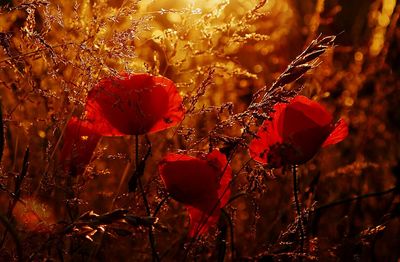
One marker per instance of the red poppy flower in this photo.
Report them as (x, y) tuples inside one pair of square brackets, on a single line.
[(297, 131), (80, 140), (130, 104), (201, 184), (134, 104)]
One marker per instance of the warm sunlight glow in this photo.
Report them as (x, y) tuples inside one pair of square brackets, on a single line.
[(33, 215), (188, 130)]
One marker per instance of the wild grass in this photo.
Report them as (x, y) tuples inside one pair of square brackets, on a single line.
[(232, 62)]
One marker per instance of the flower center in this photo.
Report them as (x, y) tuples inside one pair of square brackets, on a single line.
[(282, 154)]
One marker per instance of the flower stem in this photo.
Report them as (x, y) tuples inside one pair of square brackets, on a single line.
[(297, 203), (356, 198), (162, 202), (146, 203)]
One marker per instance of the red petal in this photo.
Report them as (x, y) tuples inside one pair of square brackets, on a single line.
[(80, 141), (303, 113), (268, 135), (202, 184), (339, 133), (312, 109), (175, 112), (188, 178), (305, 144), (201, 219), (134, 105), (218, 160)]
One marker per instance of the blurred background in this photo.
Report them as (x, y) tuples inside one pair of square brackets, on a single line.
[(219, 53)]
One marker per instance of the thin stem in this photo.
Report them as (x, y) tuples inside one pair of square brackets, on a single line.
[(6, 223), (124, 175), (162, 202), (1, 132), (146, 203), (231, 232), (17, 192), (356, 198), (238, 195), (206, 216), (33, 52), (297, 203), (121, 183)]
